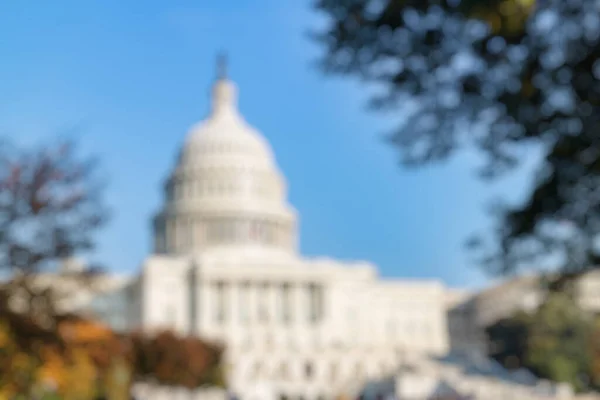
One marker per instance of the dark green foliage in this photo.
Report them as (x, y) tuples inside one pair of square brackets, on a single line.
[(505, 76), (508, 339), (556, 342)]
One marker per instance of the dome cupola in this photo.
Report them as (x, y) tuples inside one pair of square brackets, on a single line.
[(226, 188)]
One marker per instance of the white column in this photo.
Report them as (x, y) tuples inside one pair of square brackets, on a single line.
[(192, 233), (311, 292), (281, 240), (253, 302), (190, 302), (299, 295), (322, 303), (221, 310), (185, 237), (244, 303), (284, 302), (263, 302), (274, 300), (207, 303), (233, 309)]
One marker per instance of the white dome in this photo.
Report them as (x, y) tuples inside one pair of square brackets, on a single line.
[(225, 135), (226, 189)]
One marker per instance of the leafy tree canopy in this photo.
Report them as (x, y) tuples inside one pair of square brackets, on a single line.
[(504, 76)]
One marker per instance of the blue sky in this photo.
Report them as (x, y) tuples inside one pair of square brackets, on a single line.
[(132, 77)]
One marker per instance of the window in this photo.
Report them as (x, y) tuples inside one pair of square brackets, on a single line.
[(185, 236), (268, 233), (284, 371), (257, 371), (333, 372), (315, 302), (308, 370), (244, 298), (192, 301), (263, 305), (220, 302), (256, 231), (227, 231), (285, 303), (192, 232)]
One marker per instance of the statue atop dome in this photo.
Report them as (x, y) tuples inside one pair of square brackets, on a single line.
[(224, 94), (222, 66)]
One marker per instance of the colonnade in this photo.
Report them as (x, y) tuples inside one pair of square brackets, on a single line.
[(267, 302)]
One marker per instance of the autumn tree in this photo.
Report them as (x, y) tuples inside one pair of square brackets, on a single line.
[(177, 361), (50, 209), (507, 77), (97, 348)]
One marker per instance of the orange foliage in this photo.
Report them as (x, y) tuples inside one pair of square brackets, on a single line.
[(83, 356), (75, 359), (173, 360)]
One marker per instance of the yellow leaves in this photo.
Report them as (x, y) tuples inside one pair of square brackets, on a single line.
[(21, 362), (7, 391), (80, 377), (87, 356), (118, 379), (506, 18), (528, 4), (70, 366), (84, 331), (53, 369)]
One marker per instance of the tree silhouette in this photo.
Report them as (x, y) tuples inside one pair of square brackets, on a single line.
[(50, 208), (504, 76)]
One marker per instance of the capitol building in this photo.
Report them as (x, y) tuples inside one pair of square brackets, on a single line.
[(226, 267)]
